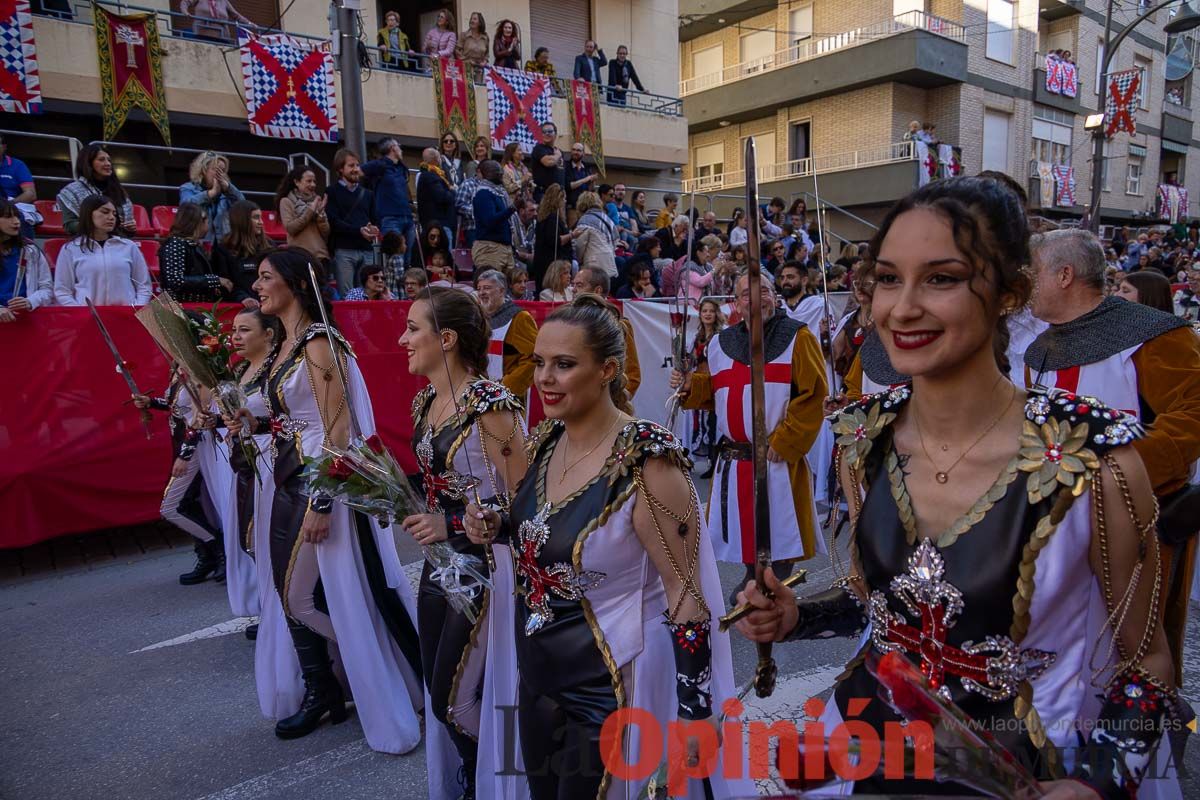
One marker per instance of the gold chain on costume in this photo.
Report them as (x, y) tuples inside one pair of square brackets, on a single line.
[(692, 560), (327, 374)]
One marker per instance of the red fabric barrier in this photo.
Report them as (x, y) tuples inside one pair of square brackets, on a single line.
[(73, 454)]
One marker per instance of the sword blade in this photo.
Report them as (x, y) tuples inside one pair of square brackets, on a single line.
[(120, 362), (355, 428)]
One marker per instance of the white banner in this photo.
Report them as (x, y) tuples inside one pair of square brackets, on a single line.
[(651, 322)]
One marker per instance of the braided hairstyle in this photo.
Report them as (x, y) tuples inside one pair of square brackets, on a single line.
[(604, 335), (455, 310), (989, 226)]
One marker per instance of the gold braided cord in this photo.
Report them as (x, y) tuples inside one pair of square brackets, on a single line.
[(1046, 526)]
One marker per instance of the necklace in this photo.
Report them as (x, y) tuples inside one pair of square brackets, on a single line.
[(943, 475), (575, 463), (453, 403)]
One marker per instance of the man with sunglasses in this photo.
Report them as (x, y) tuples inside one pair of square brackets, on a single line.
[(549, 164)]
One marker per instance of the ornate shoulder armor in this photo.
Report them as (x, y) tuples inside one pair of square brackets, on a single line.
[(860, 423), (319, 329), (420, 401), (538, 436), (1065, 437), (484, 396), (642, 439)]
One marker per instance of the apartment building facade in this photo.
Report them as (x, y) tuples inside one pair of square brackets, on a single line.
[(645, 140), (829, 87)]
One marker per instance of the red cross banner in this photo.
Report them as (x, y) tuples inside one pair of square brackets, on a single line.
[(20, 86), (454, 98), (1122, 95), (518, 106), (585, 119), (130, 70), (289, 88)]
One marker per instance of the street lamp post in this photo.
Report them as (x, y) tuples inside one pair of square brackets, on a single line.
[(1187, 19)]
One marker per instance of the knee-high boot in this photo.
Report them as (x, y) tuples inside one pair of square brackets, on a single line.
[(322, 692)]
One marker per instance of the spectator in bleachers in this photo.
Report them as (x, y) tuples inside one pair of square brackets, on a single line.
[(621, 74), (441, 38), (589, 62), (506, 44), (301, 208), (674, 240), (637, 207), (557, 282), (640, 285), (524, 231), (435, 197), (237, 256), (415, 280), (211, 189), (15, 178), (388, 179), (99, 265), (649, 249), (595, 236), (517, 177), (393, 44), (372, 281), (187, 273), (552, 236), (474, 44), (452, 159), (540, 63), (577, 174), (441, 268), (351, 211), (481, 151), (667, 215), (434, 238), (548, 162), (96, 176), (492, 211), (520, 287), (464, 204), (36, 288), (395, 260)]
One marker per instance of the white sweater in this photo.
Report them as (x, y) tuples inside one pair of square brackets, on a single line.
[(112, 274), (39, 284)]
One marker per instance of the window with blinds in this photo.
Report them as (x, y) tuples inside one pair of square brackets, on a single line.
[(563, 26)]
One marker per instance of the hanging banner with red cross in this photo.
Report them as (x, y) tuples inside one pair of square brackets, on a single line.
[(518, 106), (289, 87), (585, 119), (454, 98), (20, 86), (130, 70), (1123, 94)]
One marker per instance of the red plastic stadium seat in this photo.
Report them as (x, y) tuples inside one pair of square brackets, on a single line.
[(273, 226), (51, 249), (464, 265), (149, 248), (141, 218), (51, 218), (164, 218)]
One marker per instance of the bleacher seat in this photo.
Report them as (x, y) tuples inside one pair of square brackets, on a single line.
[(51, 218), (273, 226), (464, 265), (164, 218), (141, 218), (149, 248), (51, 249)]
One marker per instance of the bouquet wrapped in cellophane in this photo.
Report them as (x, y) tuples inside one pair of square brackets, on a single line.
[(203, 348), (366, 477)]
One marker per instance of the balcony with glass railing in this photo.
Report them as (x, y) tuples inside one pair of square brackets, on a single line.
[(818, 46)]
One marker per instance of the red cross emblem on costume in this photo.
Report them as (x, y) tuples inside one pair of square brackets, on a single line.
[(540, 582), (995, 667), (289, 87)]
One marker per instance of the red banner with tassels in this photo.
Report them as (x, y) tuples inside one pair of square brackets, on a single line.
[(585, 119), (454, 98)]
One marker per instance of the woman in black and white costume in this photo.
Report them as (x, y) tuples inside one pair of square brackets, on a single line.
[(618, 583), (336, 572), (466, 429)]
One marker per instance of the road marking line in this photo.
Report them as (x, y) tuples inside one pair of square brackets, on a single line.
[(235, 625), (293, 774)]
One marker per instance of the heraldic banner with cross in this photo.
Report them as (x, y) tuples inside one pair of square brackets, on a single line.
[(454, 98), (289, 88), (585, 119), (130, 70), (20, 86), (518, 106), (1123, 94)]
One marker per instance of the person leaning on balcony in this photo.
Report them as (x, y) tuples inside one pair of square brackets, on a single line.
[(506, 44), (441, 38), (393, 44), (541, 63), (620, 75), (474, 43), (220, 10), (211, 189)]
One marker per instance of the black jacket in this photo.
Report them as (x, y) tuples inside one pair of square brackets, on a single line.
[(435, 201), (581, 60), (186, 272), (348, 212), (546, 245), (615, 78), (243, 271)]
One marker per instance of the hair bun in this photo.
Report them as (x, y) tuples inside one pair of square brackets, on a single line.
[(593, 300)]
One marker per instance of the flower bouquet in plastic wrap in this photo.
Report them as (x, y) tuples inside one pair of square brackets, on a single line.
[(365, 476)]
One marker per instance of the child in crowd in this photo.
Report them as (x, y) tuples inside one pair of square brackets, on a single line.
[(393, 247)]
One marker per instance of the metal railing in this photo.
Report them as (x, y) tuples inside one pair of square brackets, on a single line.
[(171, 23), (815, 47), (799, 168), (419, 64)]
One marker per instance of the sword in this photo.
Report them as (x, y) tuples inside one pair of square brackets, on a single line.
[(824, 285), (764, 673), (355, 429), (20, 275), (122, 370)]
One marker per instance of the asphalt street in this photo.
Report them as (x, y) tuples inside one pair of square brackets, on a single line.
[(117, 682)]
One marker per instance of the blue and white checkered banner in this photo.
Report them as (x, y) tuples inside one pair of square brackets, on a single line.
[(289, 88), (518, 105)]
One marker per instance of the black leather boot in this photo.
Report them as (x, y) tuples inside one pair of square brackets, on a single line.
[(466, 779), (252, 632), (207, 560), (322, 692)]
